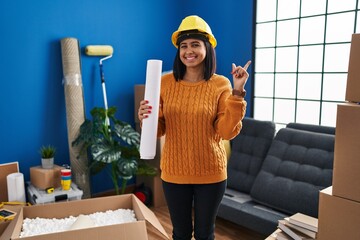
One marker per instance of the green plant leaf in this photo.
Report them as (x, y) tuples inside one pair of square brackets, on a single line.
[(111, 112), (96, 167), (127, 134), (130, 152), (145, 169), (127, 168), (85, 137), (47, 151), (106, 153), (98, 112)]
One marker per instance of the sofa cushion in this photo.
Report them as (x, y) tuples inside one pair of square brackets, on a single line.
[(248, 151), (312, 128), (299, 164), (250, 214)]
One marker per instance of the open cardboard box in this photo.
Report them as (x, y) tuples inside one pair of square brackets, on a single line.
[(129, 231), (5, 228)]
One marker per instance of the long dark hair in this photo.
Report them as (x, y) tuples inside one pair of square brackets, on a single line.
[(210, 63)]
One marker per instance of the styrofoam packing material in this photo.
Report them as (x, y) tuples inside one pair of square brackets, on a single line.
[(37, 226)]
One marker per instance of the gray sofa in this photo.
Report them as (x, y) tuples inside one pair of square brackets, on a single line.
[(274, 175)]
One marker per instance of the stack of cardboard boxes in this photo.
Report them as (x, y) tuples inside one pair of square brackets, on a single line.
[(339, 205), (154, 183)]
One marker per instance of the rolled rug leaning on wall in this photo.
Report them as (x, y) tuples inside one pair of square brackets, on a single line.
[(75, 110)]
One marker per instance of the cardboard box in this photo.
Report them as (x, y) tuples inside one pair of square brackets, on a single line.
[(339, 218), (5, 230), (346, 177), (45, 178), (353, 79), (139, 93), (129, 231), (6, 169), (3, 226)]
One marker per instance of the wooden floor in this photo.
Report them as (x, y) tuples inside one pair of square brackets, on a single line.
[(224, 230)]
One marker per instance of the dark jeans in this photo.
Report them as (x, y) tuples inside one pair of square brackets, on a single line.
[(206, 199)]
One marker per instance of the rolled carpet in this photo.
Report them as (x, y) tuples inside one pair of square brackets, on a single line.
[(75, 110)]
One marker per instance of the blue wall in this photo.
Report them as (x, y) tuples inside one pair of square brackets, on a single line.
[(32, 102)]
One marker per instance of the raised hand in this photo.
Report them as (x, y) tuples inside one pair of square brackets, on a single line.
[(240, 76)]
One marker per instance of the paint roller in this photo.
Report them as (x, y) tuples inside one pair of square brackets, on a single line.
[(105, 51)]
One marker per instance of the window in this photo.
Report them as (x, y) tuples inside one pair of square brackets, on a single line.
[(302, 53)]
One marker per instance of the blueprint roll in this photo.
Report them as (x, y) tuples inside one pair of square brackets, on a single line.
[(150, 124)]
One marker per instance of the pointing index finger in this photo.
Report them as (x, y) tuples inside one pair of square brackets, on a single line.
[(247, 65)]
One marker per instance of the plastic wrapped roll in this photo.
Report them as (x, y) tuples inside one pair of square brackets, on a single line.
[(75, 110), (16, 187), (150, 124)]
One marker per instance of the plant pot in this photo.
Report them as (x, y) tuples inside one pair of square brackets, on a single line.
[(47, 163)]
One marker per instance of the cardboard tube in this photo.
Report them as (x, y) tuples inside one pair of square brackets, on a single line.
[(150, 124)]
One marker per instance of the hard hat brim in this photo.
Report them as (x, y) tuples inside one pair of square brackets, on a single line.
[(175, 35)]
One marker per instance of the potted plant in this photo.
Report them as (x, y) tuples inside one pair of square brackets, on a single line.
[(110, 141), (47, 156)]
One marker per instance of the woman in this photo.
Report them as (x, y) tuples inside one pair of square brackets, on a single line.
[(198, 109)]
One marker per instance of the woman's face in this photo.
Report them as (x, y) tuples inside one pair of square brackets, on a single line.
[(192, 52)]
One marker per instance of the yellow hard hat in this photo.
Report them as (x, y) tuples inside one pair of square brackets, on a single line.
[(194, 22)]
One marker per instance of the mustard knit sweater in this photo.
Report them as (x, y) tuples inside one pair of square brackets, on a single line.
[(195, 117)]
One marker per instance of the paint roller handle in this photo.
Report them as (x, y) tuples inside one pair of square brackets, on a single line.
[(107, 120), (102, 77), (101, 68), (103, 86)]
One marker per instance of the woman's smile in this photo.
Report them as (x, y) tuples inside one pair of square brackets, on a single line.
[(192, 52)]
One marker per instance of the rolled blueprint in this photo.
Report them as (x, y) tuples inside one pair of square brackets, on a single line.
[(75, 110), (150, 124), (16, 187)]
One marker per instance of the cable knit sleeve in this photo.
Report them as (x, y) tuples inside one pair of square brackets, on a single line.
[(161, 122), (231, 110)]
